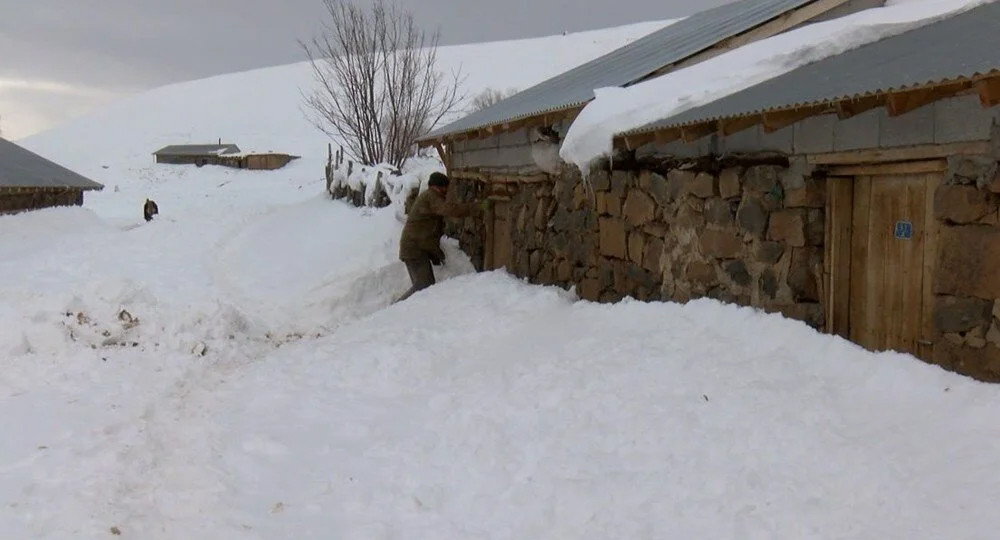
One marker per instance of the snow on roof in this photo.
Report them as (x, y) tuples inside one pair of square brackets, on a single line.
[(958, 48), (619, 110), (21, 168), (197, 149), (673, 43)]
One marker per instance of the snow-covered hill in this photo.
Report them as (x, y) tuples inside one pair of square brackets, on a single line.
[(233, 369)]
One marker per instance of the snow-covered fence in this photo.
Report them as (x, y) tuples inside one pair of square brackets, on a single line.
[(357, 184), (364, 185)]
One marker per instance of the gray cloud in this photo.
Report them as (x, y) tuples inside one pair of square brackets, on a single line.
[(122, 46)]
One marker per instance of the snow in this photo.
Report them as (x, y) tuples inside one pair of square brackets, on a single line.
[(618, 110), (234, 369)]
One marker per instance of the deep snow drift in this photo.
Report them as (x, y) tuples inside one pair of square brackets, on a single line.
[(233, 369)]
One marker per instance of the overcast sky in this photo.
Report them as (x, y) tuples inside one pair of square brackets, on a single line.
[(59, 58)]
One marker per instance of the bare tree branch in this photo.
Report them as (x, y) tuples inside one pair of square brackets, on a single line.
[(378, 87)]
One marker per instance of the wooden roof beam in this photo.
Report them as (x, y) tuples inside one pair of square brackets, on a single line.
[(442, 154), (773, 121), (989, 91), (665, 136), (904, 102), (694, 132), (635, 141), (729, 127), (850, 108)]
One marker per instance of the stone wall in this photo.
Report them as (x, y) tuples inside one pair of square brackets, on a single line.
[(12, 202), (967, 281), (470, 232), (749, 234), (671, 224)]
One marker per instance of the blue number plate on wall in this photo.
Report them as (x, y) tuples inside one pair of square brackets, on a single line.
[(904, 230)]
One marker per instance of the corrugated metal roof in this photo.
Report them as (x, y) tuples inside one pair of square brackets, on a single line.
[(22, 168), (197, 149), (628, 64), (961, 46)]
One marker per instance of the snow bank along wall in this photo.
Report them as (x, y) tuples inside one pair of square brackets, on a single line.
[(882, 229)]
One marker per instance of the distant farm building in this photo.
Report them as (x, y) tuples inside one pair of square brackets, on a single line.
[(259, 162), (29, 181), (226, 155), (196, 154)]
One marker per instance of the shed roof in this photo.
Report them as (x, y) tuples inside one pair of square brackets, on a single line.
[(21, 168), (630, 63), (961, 47), (197, 150)]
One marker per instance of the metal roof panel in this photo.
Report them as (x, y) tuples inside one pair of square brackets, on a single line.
[(962, 46), (628, 64), (20, 167)]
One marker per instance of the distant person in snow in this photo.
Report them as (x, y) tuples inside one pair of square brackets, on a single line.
[(420, 243), (149, 210)]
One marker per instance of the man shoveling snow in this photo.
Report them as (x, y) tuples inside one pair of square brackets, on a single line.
[(420, 242)]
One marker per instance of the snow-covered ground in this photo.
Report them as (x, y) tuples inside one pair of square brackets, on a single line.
[(234, 369), (617, 110)]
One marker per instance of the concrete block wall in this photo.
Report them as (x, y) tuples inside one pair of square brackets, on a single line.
[(506, 152)]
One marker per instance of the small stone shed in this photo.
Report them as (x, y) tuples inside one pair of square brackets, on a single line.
[(858, 194), (30, 182), (194, 154)]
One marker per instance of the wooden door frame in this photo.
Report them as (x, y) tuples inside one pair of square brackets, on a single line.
[(496, 192), (837, 249), (837, 255), (489, 255), (489, 239)]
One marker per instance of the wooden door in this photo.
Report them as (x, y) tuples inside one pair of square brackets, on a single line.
[(501, 243), (892, 253)]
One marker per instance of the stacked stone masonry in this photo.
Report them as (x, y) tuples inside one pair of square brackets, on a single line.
[(12, 202), (751, 235), (967, 281)]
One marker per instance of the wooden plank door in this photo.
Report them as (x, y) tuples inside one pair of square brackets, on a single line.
[(893, 228), (501, 252)]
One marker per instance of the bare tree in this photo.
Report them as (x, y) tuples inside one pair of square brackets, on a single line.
[(378, 86), (491, 96)]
